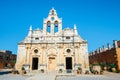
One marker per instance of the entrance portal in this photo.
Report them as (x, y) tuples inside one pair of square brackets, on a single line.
[(51, 64), (68, 63), (35, 64)]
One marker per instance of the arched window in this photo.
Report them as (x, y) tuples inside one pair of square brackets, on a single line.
[(56, 26), (48, 26), (48, 23)]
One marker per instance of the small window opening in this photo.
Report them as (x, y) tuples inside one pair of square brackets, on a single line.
[(67, 37), (36, 38)]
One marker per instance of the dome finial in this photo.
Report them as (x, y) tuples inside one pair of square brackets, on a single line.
[(30, 28), (75, 29), (74, 26), (30, 31)]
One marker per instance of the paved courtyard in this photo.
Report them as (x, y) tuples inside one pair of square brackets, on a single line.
[(87, 77), (13, 77), (52, 76), (105, 76)]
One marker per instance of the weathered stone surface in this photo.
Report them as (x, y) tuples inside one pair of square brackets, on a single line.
[(46, 50)]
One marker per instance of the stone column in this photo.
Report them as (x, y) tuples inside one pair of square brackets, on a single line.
[(52, 28), (26, 65)]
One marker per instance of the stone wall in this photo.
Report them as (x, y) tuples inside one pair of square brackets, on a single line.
[(7, 59), (109, 55)]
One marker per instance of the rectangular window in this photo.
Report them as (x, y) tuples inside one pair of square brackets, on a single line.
[(37, 38), (67, 37)]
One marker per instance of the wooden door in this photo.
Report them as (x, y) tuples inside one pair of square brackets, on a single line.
[(51, 64)]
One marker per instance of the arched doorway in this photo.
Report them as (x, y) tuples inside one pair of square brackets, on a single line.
[(69, 63), (34, 63), (52, 63)]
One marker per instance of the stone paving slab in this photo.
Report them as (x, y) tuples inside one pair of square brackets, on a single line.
[(42, 77), (13, 77), (52, 76), (87, 77)]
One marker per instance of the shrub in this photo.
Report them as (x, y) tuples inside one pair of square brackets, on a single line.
[(104, 64), (96, 64), (113, 66), (91, 70)]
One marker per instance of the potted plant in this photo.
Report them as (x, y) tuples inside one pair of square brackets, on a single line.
[(104, 66), (79, 70), (42, 70), (113, 67), (60, 70), (23, 70), (95, 72), (87, 72), (96, 68), (101, 71), (91, 68)]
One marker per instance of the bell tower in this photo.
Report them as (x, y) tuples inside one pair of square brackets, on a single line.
[(52, 24)]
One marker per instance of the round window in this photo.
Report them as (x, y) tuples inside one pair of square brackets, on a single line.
[(52, 18), (68, 50), (35, 51)]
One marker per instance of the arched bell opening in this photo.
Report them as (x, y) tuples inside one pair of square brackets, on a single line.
[(56, 26), (48, 26)]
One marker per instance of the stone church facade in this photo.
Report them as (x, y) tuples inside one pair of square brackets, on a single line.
[(52, 48)]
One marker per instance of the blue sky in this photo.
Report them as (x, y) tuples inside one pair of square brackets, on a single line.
[(98, 21)]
